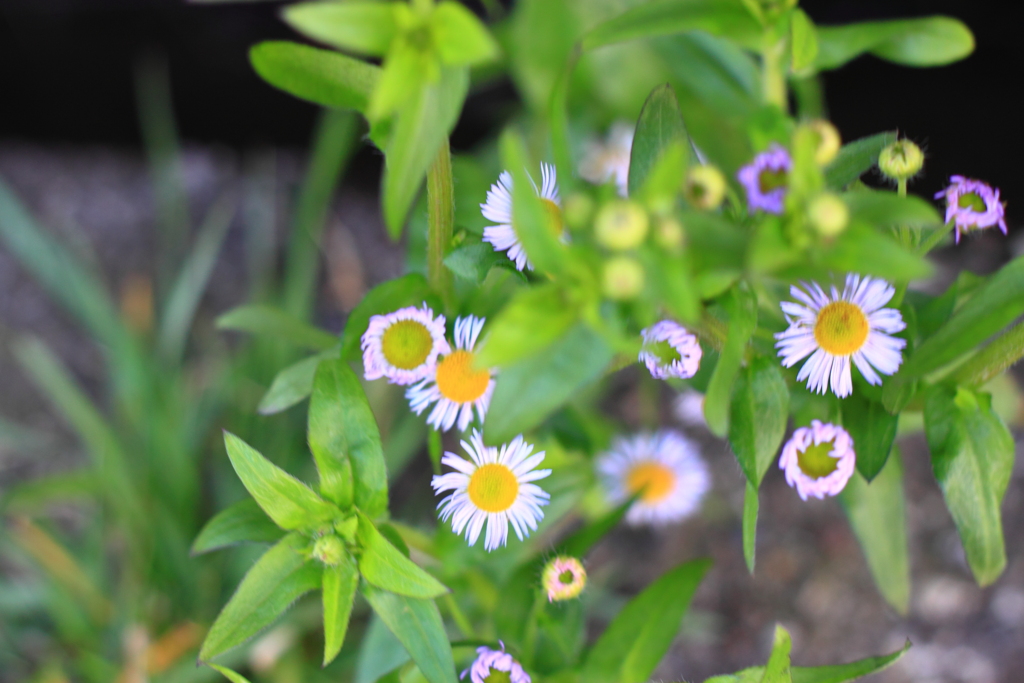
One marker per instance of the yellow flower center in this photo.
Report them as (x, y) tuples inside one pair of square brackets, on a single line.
[(816, 462), (972, 201), (770, 180), (493, 488), (406, 344), (496, 676), (652, 480), (458, 381), (555, 221), (841, 328)]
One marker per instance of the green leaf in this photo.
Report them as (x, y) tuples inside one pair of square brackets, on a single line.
[(416, 135), (243, 522), (757, 417), (339, 592), (345, 442), (276, 581), (777, 668), (726, 18), (387, 297), (660, 125), (532, 320), (873, 430), (877, 513), (474, 261), (631, 647), (675, 283), (863, 249), (996, 304), (323, 77), (533, 224), (407, 70), (417, 624), (928, 41), (267, 321), (232, 676), (840, 673), (383, 566), (459, 37), (527, 392), (972, 456), (379, 652), (888, 209), (750, 509), (291, 385), (364, 27), (741, 305), (285, 499), (856, 158), (803, 41)]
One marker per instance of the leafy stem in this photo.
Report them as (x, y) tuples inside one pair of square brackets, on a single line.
[(993, 359), (440, 220)]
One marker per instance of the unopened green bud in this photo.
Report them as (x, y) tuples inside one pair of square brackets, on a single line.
[(669, 235), (901, 160), (704, 187), (346, 528), (579, 209), (829, 141), (621, 225), (828, 214), (623, 278), (329, 549)]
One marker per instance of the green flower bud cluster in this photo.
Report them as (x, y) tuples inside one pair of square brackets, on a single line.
[(901, 160)]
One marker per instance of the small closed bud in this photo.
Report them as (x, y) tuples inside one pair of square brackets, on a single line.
[(704, 187), (901, 160), (579, 209), (623, 278), (669, 235), (563, 578), (329, 549), (829, 141), (621, 225), (828, 214)]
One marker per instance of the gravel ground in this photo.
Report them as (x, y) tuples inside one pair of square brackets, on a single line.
[(811, 575)]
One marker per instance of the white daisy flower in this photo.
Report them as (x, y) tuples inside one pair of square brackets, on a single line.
[(455, 386), (670, 350), (403, 346), (609, 160), (818, 460), (835, 329), (494, 487), (688, 407), (488, 661), (664, 468), (498, 208)]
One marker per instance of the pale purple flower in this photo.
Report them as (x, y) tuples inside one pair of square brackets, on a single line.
[(962, 199), (403, 345), (807, 460), (670, 350), (498, 660), (765, 179), (554, 576)]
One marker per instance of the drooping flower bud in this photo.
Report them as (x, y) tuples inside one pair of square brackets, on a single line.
[(563, 578), (829, 141), (329, 549), (669, 235), (623, 278), (828, 214), (705, 187), (901, 160), (621, 225)]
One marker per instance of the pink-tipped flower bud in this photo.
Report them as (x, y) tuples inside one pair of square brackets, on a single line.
[(564, 578)]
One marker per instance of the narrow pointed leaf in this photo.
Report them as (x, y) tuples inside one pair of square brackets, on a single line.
[(856, 158), (365, 27), (276, 581), (232, 676), (345, 441), (243, 522), (285, 499), (292, 385), (274, 323), (741, 305), (384, 566), (339, 592), (417, 625), (873, 430), (927, 41), (751, 505), (324, 77), (532, 221), (777, 669), (758, 414), (461, 39), (532, 320), (840, 673), (660, 125)]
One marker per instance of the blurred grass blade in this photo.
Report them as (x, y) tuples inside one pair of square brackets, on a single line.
[(840, 673), (243, 522), (274, 323), (35, 495), (232, 676), (292, 385), (183, 298), (333, 145), (417, 624), (277, 580), (877, 513)]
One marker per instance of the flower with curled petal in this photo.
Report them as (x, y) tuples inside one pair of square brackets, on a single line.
[(972, 205), (818, 460)]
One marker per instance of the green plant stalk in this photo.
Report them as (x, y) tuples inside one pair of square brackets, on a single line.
[(934, 238), (903, 233), (440, 220), (773, 76), (530, 638), (458, 616), (994, 359)]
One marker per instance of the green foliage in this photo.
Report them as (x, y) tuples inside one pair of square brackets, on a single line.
[(339, 592), (243, 522), (660, 124), (320, 76), (929, 41), (417, 624), (385, 567)]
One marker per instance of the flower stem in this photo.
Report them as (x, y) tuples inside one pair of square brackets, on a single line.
[(458, 616), (934, 238), (993, 359), (440, 220), (773, 83)]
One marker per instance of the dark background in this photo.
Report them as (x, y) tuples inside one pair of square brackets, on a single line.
[(66, 76)]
